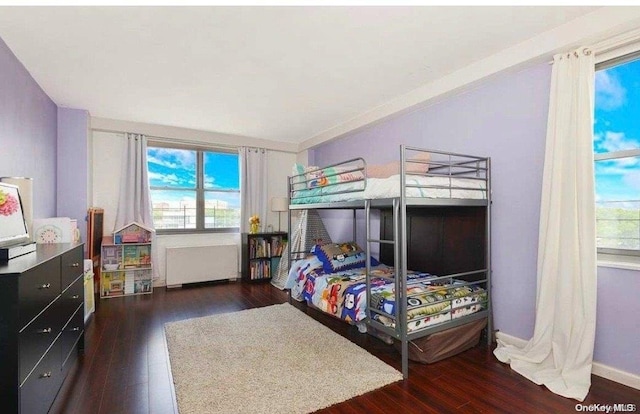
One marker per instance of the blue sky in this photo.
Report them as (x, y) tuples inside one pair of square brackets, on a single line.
[(177, 169), (616, 128)]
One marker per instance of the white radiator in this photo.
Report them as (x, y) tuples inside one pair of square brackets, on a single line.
[(201, 264)]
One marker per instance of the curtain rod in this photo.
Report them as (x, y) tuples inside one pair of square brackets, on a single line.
[(610, 44), (585, 51)]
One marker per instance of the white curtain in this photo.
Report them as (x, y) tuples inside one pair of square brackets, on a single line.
[(134, 203), (135, 198), (253, 185), (560, 354)]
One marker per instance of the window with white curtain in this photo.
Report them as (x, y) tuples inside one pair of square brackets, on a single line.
[(617, 155), (193, 189)]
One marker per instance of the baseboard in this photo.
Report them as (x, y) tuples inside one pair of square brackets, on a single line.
[(179, 285), (599, 369), (614, 374), (511, 340)]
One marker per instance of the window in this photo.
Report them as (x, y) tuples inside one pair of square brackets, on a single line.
[(617, 156), (193, 189)]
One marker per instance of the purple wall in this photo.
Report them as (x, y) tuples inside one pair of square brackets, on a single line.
[(72, 155), (504, 118), (617, 322), (28, 130), (36, 136)]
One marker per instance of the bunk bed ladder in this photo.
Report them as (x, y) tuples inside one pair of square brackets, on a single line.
[(400, 252), (369, 240), (399, 220), (489, 274)]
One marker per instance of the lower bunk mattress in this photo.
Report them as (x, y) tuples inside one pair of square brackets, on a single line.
[(343, 295)]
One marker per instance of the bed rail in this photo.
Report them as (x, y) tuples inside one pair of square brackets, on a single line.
[(343, 181), (419, 174), (448, 166)]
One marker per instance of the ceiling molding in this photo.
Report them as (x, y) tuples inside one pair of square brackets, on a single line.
[(188, 135), (592, 28)]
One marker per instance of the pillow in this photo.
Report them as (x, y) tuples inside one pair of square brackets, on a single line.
[(393, 167), (314, 176), (336, 257), (333, 175)]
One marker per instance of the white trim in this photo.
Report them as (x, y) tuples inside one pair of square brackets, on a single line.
[(619, 265), (616, 154), (617, 46), (621, 51), (593, 27), (599, 369), (616, 375), (619, 261), (511, 340), (187, 135)]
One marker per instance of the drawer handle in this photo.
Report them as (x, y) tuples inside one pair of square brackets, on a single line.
[(46, 374), (75, 296), (44, 331), (75, 265), (45, 286), (75, 329)]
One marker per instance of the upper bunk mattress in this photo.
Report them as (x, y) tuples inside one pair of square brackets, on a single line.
[(417, 186)]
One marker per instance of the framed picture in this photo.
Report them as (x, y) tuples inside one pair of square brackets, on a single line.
[(13, 228)]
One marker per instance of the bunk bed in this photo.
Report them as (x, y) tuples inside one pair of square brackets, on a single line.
[(434, 213)]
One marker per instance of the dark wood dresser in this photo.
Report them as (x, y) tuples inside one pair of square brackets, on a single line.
[(41, 325)]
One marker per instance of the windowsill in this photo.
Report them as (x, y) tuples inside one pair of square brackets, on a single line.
[(619, 261)]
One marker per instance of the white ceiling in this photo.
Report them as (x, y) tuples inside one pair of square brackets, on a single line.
[(277, 73)]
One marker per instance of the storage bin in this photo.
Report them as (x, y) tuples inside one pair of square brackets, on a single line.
[(443, 344)]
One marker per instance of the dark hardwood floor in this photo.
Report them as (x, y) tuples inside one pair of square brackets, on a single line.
[(125, 366)]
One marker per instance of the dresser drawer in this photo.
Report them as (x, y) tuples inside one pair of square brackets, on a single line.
[(37, 288), (70, 299), (69, 338), (37, 337), (41, 387), (72, 266)]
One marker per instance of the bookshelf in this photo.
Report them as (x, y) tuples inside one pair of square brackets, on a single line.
[(261, 253)]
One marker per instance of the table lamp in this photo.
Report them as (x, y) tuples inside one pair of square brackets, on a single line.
[(279, 204)]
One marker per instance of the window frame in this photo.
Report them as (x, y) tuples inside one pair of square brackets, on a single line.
[(607, 252), (200, 190)]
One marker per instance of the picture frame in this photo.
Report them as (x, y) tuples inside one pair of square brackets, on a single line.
[(13, 227)]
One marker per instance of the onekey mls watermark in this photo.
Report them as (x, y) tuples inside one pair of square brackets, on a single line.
[(606, 408)]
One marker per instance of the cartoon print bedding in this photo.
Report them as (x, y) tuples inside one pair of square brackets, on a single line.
[(343, 294)]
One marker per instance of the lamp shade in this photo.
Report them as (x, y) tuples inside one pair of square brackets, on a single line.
[(279, 204)]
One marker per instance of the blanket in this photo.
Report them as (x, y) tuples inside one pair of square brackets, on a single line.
[(343, 294)]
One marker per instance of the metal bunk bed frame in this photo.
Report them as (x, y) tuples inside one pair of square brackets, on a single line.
[(464, 165)]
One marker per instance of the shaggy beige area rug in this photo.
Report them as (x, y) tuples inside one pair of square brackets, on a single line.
[(274, 359)]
